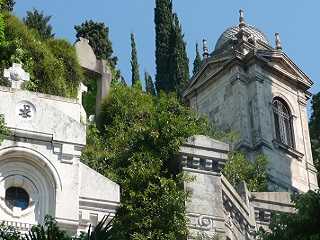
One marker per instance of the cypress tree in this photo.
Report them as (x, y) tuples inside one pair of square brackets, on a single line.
[(179, 62), (134, 63), (172, 63), (314, 126), (163, 28), (197, 61), (149, 84)]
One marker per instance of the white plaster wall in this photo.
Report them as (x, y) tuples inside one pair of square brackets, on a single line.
[(52, 137)]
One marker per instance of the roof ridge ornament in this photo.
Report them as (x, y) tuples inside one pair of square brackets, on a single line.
[(241, 19), (205, 48), (278, 41)]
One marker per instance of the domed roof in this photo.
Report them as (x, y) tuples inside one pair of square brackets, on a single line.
[(231, 32)]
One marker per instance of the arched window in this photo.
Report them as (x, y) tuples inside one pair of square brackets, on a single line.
[(283, 122)]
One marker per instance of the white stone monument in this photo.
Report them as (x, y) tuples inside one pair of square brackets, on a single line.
[(16, 75), (40, 168)]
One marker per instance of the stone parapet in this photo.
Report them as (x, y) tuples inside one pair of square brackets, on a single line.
[(215, 207)]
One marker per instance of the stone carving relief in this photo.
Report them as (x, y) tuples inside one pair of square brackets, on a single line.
[(201, 224), (25, 110)]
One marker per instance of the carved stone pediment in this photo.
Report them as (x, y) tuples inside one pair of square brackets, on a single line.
[(283, 64), (209, 69)]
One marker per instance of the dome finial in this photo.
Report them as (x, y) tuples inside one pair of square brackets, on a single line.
[(278, 41), (241, 19), (205, 48)]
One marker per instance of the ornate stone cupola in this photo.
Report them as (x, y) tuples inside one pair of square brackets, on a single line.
[(253, 88)]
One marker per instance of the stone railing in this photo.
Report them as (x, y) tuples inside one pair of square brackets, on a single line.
[(19, 226)]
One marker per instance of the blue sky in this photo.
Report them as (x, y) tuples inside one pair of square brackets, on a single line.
[(297, 22)]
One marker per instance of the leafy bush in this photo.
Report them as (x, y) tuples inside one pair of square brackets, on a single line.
[(89, 97), (301, 225), (239, 169), (136, 146), (7, 5), (52, 64), (66, 53), (9, 233), (2, 37), (51, 231)]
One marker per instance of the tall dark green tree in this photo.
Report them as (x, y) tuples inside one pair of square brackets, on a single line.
[(7, 5), (314, 127), (149, 84), (172, 63), (98, 35), (163, 27), (40, 22), (197, 61), (178, 61), (135, 76)]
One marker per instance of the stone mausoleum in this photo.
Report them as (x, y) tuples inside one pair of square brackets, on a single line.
[(245, 85), (253, 88)]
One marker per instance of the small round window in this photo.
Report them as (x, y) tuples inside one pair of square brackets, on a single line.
[(17, 197)]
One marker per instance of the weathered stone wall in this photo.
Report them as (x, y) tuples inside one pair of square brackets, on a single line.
[(239, 97), (216, 208)]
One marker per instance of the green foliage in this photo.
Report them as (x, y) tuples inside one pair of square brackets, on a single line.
[(3, 129), (98, 35), (197, 61), (89, 97), (314, 127), (301, 225), (149, 84), (2, 25), (49, 231), (179, 62), (172, 63), (163, 27), (9, 233), (7, 5), (38, 21), (94, 153), (135, 79), (103, 231), (66, 54), (52, 64), (136, 146), (239, 169)]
